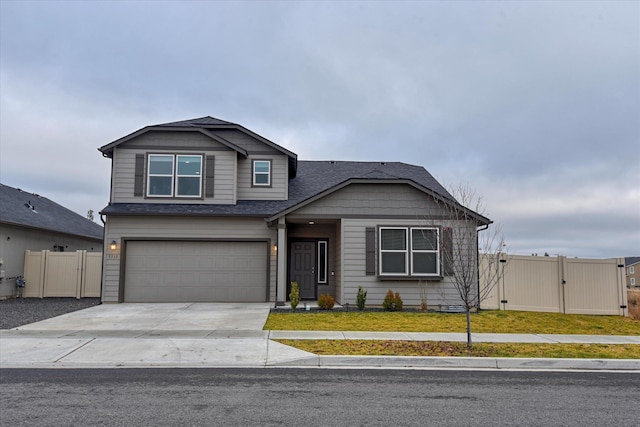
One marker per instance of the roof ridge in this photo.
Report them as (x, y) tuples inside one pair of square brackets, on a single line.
[(196, 122)]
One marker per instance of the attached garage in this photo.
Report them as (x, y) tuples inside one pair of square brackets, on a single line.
[(196, 271)]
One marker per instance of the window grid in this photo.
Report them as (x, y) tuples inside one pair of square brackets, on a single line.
[(434, 250), (183, 180), (384, 251), (262, 173), (157, 177), (185, 177), (322, 261), (411, 250)]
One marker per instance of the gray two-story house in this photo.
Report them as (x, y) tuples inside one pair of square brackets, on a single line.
[(205, 210)]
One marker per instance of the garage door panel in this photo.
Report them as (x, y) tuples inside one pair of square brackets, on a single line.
[(162, 271)]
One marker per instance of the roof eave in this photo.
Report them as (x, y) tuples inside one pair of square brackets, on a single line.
[(182, 214), (50, 230), (108, 149)]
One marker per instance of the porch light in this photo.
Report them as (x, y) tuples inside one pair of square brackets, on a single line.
[(312, 222), (275, 247), (113, 245)]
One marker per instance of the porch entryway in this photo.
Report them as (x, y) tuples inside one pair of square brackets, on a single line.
[(302, 268), (310, 258)]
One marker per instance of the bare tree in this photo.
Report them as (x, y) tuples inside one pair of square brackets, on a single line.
[(471, 250)]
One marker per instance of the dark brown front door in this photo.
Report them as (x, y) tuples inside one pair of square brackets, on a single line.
[(302, 268)]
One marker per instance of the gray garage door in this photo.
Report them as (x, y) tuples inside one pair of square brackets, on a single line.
[(196, 272)]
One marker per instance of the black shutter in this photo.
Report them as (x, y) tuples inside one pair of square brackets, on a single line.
[(138, 183), (370, 251), (446, 251), (208, 180)]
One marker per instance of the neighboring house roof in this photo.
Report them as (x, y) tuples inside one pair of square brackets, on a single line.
[(631, 260), (204, 125), (30, 210), (315, 179)]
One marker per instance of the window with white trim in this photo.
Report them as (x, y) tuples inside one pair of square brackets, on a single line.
[(631, 270), (633, 281), (409, 251), (177, 175), (261, 173), (322, 261)]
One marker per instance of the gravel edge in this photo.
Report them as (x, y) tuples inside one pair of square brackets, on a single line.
[(16, 312)]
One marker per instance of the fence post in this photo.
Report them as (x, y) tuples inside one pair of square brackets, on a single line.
[(562, 281), (45, 273), (79, 263), (622, 285)]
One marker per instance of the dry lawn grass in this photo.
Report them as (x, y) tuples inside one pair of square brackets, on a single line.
[(633, 303), (459, 349), (494, 321)]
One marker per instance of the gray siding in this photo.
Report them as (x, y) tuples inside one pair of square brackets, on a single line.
[(376, 200), (241, 139), (354, 267), (279, 179), (123, 173), (119, 228)]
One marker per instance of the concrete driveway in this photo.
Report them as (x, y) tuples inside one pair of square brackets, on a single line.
[(198, 318), (137, 335)]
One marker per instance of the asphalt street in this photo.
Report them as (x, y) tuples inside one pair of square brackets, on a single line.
[(314, 397)]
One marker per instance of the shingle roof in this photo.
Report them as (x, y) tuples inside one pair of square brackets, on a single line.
[(631, 260), (21, 208), (314, 178), (199, 122)]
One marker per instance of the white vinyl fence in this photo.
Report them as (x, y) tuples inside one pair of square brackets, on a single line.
[(62, 274), (559, 284)]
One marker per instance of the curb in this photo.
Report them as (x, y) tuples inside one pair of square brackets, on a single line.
[(432, 362)]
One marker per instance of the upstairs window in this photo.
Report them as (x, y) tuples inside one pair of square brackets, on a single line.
[(174, 175), (188, 176), (409, 251), (262, 173), (160, 182)]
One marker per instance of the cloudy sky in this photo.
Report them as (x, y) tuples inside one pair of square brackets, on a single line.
[(536, 105)]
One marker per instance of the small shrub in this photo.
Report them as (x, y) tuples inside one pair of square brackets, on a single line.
[(392, 302), (294, 296), (326, 302), (361, 299), (398, 301)]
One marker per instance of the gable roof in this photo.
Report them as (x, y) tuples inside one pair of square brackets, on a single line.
[(631, 260), (315, 179), (34, 211), (205, 125)]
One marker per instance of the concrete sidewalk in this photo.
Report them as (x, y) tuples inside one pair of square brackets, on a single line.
[(33, 348), (230, 335)]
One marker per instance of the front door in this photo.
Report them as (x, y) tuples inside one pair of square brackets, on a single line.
[(302, 268)]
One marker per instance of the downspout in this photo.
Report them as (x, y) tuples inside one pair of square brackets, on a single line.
[(478, 230), (104, 242), (104, 223), (275, 303)]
